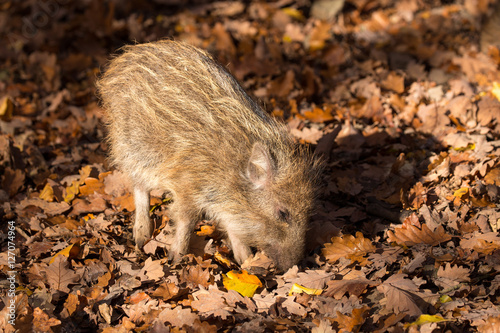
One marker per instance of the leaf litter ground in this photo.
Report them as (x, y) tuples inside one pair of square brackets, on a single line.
[(396, 96)]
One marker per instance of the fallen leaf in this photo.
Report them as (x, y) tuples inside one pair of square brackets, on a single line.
[(60, 276), (166, 291), (70, 251), (244, 283), (353, 322), (348, 246), (298, 289), (409, 235), (42, 322), (424, 319)]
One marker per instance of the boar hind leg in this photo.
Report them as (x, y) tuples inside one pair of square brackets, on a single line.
[(240, 251), (143, 227), (184, 226)]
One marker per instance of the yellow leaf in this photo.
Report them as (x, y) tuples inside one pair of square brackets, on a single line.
[(292, 12), (496, 90), (445, 299), (72, 191), (244, 283), (6, 109), (69, 251), (298, 289), (47, 193), (226, 262), (461, 192), (424, 319)]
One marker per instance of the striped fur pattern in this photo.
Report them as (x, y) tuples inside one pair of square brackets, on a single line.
[(179, 122)]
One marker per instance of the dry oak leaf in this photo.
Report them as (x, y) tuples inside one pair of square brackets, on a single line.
[(178, 317), (451, 276), (211, 302), (401, 295), (493, 177), (196, 275), (354, 282), (50, 208), (394, 82), (59, 275), (319, 115), (152, 270), (166, 291), (350, 247), (409, 235), (485, 243), (293, 307), (42, 322), (491, 325), (352, 323)]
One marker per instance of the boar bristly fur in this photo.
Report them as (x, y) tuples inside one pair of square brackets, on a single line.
[(179, 122)]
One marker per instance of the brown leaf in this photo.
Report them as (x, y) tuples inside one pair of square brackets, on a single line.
[(348, 246), (196, 275), (95, 204), (483, 243), (450, 276), (491, 325), (50, 208), (493, 177), (282, 86), (13, 181), (394, 82), (166, 291), (152, 270), (401, 295), (211, 302), (410, 235), (42, 322), (488, 110), (354, 283), (59, 275), (351, 323), (178, 316)]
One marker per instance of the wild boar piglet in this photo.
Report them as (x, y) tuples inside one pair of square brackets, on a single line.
[(179, 122)]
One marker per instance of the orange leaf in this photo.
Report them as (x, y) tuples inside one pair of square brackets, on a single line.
[(206, 230), (318, 115), (410, 235), (244, 283), (350, 323), (91, 185), (348, 246)]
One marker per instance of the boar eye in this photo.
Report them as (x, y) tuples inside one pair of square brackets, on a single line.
[(284, 215)]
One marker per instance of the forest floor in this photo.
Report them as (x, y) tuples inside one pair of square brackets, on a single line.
[(398, 97)]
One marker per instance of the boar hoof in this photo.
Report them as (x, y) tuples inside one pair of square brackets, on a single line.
[(141, 234)]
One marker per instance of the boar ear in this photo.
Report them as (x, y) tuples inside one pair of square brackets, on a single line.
[(260, 168)]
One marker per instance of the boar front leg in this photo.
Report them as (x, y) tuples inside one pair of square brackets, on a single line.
[(240, 251), (184, 226), (143, 226)]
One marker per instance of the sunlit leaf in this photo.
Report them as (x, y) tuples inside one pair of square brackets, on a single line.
[(69, 251), (298, 289), (244, 283)]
